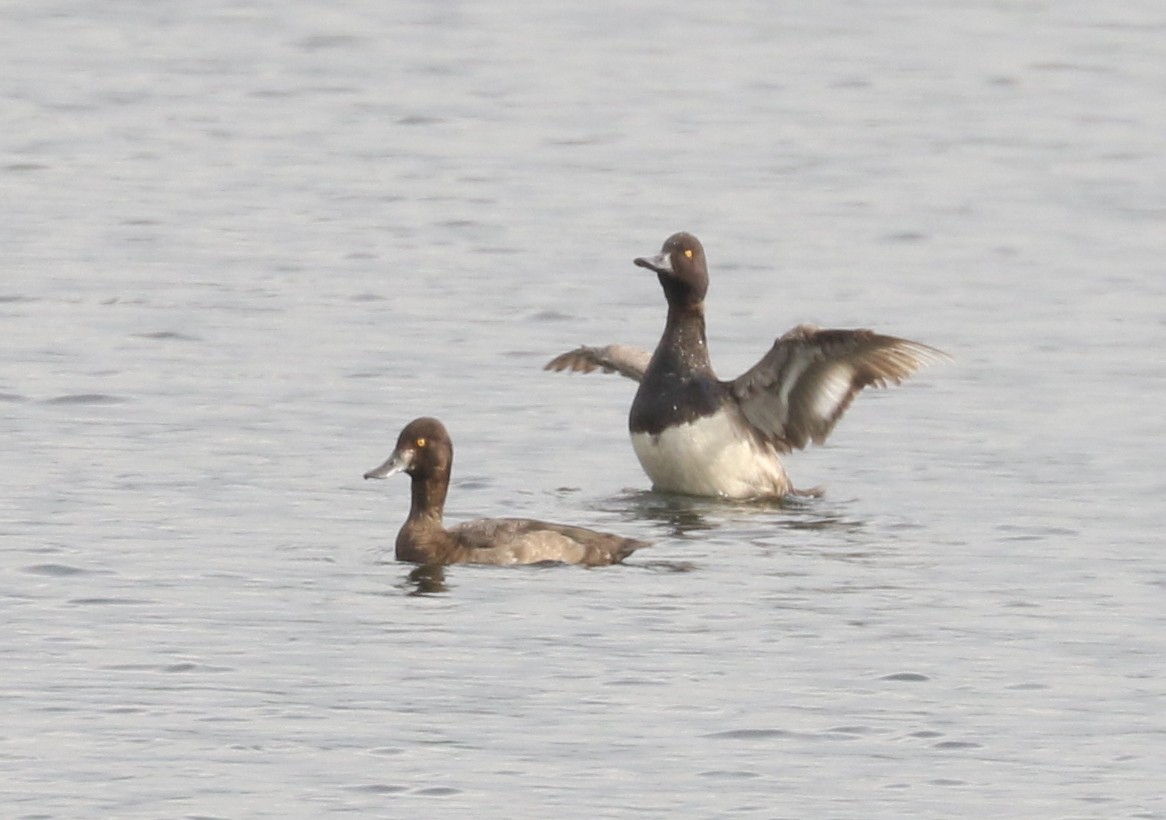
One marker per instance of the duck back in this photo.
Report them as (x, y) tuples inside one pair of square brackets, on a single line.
[(526, 541)]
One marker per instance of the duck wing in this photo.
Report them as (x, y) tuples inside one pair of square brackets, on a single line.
[(623, 359), (526, 541), (803, 385)]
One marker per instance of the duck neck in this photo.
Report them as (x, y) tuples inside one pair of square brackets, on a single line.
[(428, 500), (684, 348)]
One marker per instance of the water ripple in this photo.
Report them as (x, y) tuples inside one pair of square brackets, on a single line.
[(86, 399), (167, 335), (750, 734), (55, 570), (379, 788)]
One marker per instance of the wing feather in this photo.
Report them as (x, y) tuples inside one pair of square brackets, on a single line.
[(623, 359), (807, 380)]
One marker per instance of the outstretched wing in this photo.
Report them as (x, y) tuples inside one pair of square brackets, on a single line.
[(622, 359), (803, 385)]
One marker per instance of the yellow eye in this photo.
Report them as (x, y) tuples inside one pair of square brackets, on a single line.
[(421, 442), (688, 253)]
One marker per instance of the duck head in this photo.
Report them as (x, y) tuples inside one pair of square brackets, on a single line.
[(423, 450), (681, 268)]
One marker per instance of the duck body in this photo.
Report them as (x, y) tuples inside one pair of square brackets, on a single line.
[(686, 431), (710, 456), (699, 435), (511, 541), (425, 452)]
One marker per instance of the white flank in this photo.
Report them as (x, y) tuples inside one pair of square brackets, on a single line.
[(711, 456)]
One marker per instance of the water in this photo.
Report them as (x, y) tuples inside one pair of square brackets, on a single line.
[(244, 243)]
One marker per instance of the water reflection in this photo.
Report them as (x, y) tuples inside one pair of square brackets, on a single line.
[(683, 515), (666, 566), (679, 514), (427, 579)]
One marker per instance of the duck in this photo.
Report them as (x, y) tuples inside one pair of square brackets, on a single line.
[(698, 435), (424, 451)]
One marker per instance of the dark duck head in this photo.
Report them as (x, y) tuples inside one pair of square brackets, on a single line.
[(425, 452), (682, 271)]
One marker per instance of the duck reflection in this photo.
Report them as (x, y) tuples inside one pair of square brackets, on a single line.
[(427, 579), (682, 516)]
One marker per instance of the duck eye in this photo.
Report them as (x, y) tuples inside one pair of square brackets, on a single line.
[(688, 253), (421, 442)]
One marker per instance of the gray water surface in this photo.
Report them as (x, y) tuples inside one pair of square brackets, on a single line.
[(242, 244)]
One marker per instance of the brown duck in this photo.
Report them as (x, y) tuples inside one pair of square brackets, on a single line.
[(425, 451)]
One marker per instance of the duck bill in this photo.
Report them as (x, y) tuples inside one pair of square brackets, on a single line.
[(398, 462), (661, 262)]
